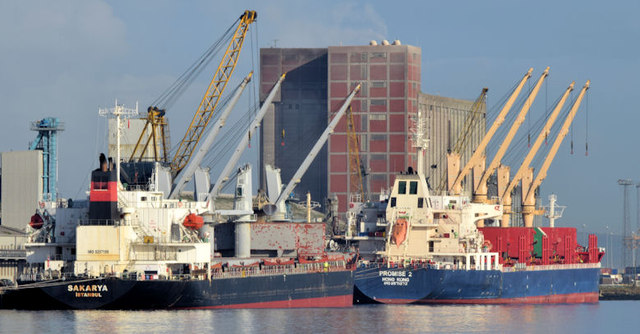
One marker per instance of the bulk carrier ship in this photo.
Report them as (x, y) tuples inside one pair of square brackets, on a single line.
[(132, 248), (138, 244), (419, 248)]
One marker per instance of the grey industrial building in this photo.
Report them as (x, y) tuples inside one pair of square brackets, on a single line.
[(444, 120), (21, 189)]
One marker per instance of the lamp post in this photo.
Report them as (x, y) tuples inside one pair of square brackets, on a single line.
[(608, 256)]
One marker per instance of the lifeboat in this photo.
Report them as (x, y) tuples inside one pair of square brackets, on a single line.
[(399, 231), (36, 222), (193, 221)]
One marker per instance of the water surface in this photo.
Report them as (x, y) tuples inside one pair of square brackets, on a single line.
[(605, 317)]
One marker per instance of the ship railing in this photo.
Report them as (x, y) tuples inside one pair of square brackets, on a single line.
[(12, 253), (552, 267), (98, 222), (275, 270)]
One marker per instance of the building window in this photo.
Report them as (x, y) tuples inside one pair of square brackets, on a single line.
[(378, 117), (413, 188), (402, 187), (393, 202), (378, 55), (378, 102), (379, 84), (420, 202), (430, 246), (364, 144)]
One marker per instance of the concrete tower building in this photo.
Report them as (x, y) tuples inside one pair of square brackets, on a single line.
[(297, 117), (384, 113)]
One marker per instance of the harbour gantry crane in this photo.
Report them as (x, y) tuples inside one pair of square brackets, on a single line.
[(453, 157), (529, 185), (505, 194), (213, 94), (478, 157), (480, 191), (355, 167)]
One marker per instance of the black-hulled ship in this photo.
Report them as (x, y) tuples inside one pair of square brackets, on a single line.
[(132, 248)]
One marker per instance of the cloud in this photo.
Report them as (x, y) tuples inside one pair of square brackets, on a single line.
[(56, 61)]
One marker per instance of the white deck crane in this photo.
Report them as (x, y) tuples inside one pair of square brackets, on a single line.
[(478, 157), (187, 173), (223, 177), (480, 191), (529, 185), (316, 148), (505, 194)]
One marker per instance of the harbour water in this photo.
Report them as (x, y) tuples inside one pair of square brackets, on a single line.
[(604, 317)]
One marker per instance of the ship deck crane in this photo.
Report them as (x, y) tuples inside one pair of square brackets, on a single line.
[(223, 177), (185, 176), (453, 157), (529, 187), (480, 192), (157, 129), (478, 156), (316, 148), (505, 195), (213, 94)]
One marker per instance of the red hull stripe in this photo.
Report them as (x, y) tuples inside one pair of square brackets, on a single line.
[(333, 301), (572, 298), (107, 195)]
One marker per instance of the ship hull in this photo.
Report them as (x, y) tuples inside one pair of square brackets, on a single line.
[(318, 289), (437, 286)]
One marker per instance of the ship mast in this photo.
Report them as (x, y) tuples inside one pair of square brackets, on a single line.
[(118, 111), (420, 142)]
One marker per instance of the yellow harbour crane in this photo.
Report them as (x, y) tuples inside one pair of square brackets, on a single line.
[(355, 167), (213, 94), (156, 124)]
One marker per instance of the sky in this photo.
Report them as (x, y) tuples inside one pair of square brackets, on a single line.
[(68, 58)]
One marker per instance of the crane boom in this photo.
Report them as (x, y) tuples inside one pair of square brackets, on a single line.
[(536, 145), (481, 193), (462, 141), (190, 168), (477, 156), (213, 94), (542, 174), (355, 168), (245, 140), (316, 148)]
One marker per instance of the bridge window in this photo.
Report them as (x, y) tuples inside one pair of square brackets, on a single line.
[(413, 188), (402, 187)]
